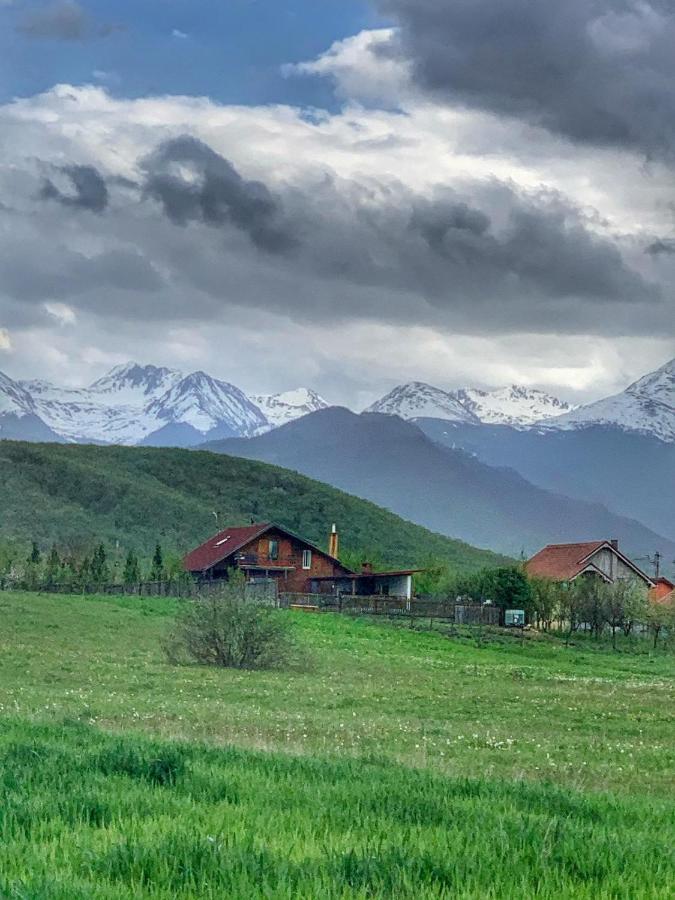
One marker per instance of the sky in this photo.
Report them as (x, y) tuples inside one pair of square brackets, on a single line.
[(346, 195)]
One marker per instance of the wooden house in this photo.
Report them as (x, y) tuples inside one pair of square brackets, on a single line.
[(595, 559), (269, 552)]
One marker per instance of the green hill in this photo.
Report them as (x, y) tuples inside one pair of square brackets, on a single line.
[(134, 497)]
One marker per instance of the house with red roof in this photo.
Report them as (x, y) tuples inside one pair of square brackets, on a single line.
[(663, 591), (267, 552), (600, 559)]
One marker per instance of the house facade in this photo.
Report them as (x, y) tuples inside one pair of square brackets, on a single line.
[(596, 559), (264, 552), (268, 552)]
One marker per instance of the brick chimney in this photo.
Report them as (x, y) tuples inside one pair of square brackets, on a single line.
[(333, 542), (615, 543), (366, 568)]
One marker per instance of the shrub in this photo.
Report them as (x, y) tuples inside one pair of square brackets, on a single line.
[(226, 629)]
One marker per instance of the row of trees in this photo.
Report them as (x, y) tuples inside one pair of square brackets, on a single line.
[(587, 602), (34, 569)]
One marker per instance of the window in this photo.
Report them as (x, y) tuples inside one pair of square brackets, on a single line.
[(306, 559), (273, 552)]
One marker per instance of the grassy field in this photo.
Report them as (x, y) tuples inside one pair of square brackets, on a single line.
[(401, 764)]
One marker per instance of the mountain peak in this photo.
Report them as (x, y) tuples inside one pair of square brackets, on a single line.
[(417, 400), (289, 405)]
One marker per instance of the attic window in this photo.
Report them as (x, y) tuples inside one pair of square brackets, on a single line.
[(224, 540)]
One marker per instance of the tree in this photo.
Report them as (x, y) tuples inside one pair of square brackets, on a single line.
[(100, 571), (52, 567), (132, 569), (226, 629), (660, 616), (509, 588), (592, 594), (547, 600), (157, 568), (35, 556)]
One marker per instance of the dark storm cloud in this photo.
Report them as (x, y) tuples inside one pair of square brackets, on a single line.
[(63, 20), (193, 183), (596, 71), (450, 250), (660, 247), (89, 189)]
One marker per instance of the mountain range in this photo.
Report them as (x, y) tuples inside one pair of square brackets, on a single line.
[(136, 404), (395, 464)]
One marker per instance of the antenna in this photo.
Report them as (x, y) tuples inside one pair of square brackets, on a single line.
[(654, 560)]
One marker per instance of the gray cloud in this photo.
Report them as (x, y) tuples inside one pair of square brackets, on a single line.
[(213, 193), (661, 247), (63, 20), (90, 190), (513, 248), (596, 71)]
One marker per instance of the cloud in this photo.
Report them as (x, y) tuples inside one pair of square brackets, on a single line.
[(192, 182), (63, 20), (600, 72), (313, 246), (661, 246), (5, 340), (90, 191)]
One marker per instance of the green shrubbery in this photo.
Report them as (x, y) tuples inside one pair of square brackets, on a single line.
[(230, 630)]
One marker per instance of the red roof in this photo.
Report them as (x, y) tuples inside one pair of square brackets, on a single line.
[(228, 541), (563, 562), (222, 545), (662, 590)]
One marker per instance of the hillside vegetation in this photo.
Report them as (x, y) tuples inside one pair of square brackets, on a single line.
[(134, 497), (400, 764)]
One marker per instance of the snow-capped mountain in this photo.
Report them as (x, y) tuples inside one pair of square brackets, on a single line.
[(418, 400), (515, 405), (18, 415), (136, 404), (210, 407), (647, 406), (288, 406)]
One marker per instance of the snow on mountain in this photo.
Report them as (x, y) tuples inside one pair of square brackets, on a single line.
[(206, 404), (134, 385), (288, 406), (515, 406), (14, 398), (647, 406), (418, 400)]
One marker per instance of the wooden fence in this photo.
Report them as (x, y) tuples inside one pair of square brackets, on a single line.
[(448, 610), (348, 604)]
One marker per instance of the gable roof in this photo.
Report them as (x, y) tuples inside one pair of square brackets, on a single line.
[(229, 540), (564, 562)]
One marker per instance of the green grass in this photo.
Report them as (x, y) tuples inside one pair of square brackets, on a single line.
[(76, 496), (402, 764)]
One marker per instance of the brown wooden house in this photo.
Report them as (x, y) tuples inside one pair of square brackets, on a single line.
[(265, 552)]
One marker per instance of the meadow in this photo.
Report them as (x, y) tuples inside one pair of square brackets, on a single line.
[(397, 763)]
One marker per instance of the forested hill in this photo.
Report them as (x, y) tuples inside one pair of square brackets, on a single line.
[(78, 495)]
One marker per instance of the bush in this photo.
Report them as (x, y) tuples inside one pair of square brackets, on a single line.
[(226, 629)]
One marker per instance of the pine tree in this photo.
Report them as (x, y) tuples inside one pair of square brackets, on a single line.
[(132, 569), (53, 567), (157, 570), (34, 558), (100, 571)]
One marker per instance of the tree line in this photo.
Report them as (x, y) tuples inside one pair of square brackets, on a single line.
[(33, 569), (587, 603)]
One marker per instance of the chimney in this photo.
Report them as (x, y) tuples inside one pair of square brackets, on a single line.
[(366, 568), (615, 543), (333, 542)]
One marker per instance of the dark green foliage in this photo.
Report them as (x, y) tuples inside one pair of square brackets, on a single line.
[(509, 588), (53, 567), (100, 571), (157, 569), (34, 557), (80, 495), (132, 569)]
